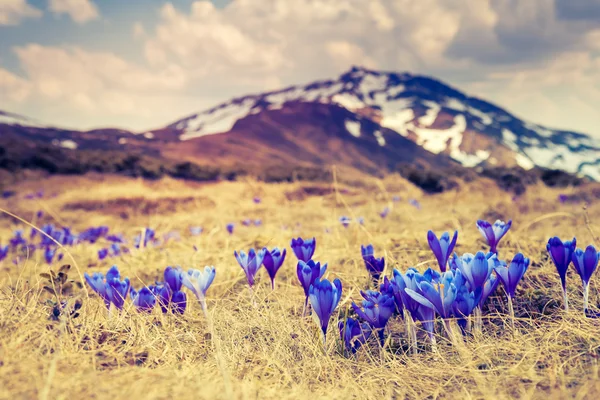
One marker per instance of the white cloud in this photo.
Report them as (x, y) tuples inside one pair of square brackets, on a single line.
[(138, 30), (81, 11), (13, 11)]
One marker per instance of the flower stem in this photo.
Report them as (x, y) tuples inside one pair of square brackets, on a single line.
[(273, 284), (305, 307), (586, 296), (411, 332), (252, 299), (566, 299), (511, 311), (478, 319)]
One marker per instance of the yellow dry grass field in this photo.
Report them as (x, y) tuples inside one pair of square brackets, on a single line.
[(261, 347)]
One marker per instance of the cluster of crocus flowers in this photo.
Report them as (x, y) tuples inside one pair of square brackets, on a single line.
[(111, 288), (493, 232), (585, 263), (168, 294)]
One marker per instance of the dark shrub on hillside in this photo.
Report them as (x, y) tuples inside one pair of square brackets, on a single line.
[(430, 180), (556, 178), (514, 180), (187, 170), (295, 173)]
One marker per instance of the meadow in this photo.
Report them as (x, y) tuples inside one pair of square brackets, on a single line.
[(257, 344)]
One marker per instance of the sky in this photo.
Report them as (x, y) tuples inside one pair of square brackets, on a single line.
[(142, 64)]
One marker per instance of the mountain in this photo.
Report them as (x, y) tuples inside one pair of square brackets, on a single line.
[(437, 117), (364, 120)]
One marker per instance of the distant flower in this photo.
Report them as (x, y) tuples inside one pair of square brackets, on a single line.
[(116, 289), (49, 254), (563, 198), (39, 214), (396, 199), (272, 261), (98, 284), (384, 213), (561, 254), (246, 222), (304, 249), (360, 220), (230, 227), (8, 194), (102, 254), (375, 266), (256, 200), (415, 204), (257, 222), (142, 240), (196, 230), (308, 273), (115, 238), (250, 263), (442, 247), (585, 263), (17, 239), (111, 288), (324, 297), (115, 249), (353, 333), (493, 233), (175, 235), (345, 221), (144, 300), (3, 252)]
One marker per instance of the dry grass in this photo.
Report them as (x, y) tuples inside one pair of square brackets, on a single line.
[(269, 350)]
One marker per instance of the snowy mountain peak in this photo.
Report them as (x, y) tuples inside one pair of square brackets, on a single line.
[(434, 115)]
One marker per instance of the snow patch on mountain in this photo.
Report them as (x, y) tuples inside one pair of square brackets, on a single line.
[(353, 127)]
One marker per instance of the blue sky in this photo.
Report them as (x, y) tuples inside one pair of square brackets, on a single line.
[(141, 64)]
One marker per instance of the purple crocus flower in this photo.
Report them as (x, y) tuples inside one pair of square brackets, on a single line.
[(230, 228), (196, 230), (144, 300), (256, 200), (257, 222), (476, 269), (3, 252), (272, 261), (246, 222), (442, 247), (345, 221), (466, 301), (173, 278), (384, 213), (98, 284), (562, 254), (396, 199), (510, 277), (308, 273), (324, 297), (116, 289), (563, 198), (102, 254), (585, 263), (49, 254), (7, 194), (178, 302), (354, 334), (115, 249), (377, 309), (493, 233), (375, 266), (17, 239), (490, 287), (250, 263), (304, 249), (198, 281), (415, 203), (437, 296), (360, 220)]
